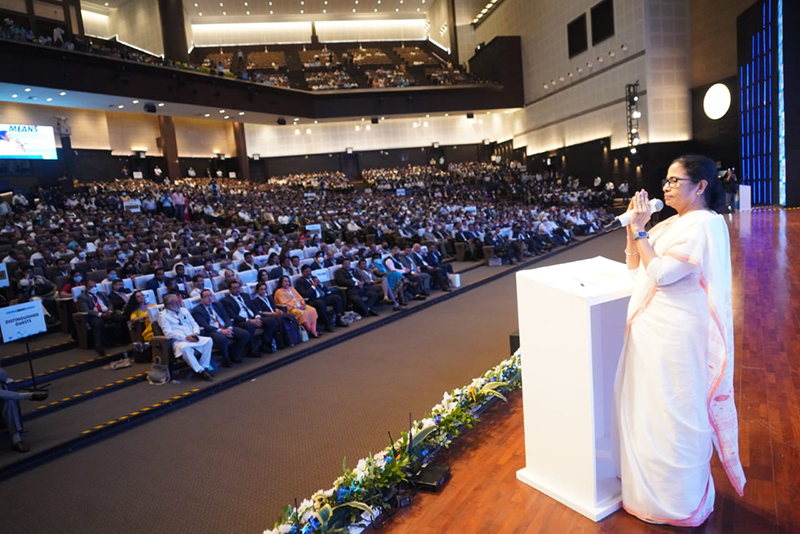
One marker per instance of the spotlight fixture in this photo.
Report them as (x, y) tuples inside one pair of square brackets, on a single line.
[(62, 93)]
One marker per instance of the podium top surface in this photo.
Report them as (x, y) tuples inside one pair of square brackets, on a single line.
[(596, 280)]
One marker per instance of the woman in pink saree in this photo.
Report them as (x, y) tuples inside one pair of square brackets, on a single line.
[(674, 385)]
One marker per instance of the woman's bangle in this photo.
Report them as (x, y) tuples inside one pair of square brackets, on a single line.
[(631, 253)]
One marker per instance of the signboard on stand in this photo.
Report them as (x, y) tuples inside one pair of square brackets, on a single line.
[(22, 320)]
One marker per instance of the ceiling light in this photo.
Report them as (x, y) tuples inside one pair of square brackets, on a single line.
[(195, 5), (106, 4), (383, 118), (308, 131), (425, 124), (297, 131), (397, 9), (446, 114), (354, 10), (633, 150), (226, 117), (358, 128), (368, 127), (27, 89), (161, 104), (63, 93), (417, 9), (120, 106), (220, 4), (270, 12), (49, 99), (636, 114), (245, 4), (14, 95), (315, 122), (201, 14), (241, 113), (135, 101), (415, 124), (324, 10), (634, 130), (224, 13), (248, 12), (208, 114), (376, 10), (301, 11), (356, 2), (222, 111)]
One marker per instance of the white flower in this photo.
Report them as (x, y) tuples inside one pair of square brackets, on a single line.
[(272, 531), (428, 422), (285, 529), (362, 465), (306, 505), (329, 493)]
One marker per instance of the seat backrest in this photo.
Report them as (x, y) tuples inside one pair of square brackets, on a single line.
[(149, 296), (323, 274), (189, 304), (160, 292), (141, 281), (248, 276), (296, 252), (272, 285), (76, 291), (216, 281), (310, 251), (153, 312)]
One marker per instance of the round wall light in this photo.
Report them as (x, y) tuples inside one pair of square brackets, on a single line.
[(717, 101)]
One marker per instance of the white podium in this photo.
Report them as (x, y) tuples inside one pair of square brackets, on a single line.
[(745, 197), (571, 326)]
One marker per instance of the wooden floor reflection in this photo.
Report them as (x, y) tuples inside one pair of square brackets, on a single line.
[(484, 496)]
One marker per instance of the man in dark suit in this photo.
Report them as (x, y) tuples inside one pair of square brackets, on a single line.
[(436, 273), (320, 297), (284, 269), (319, 261), (434, 258), (501, 250), (346, 277), (215, 323), (119, 295), (159, 280), (100, 314), (249, 263), (240, 308)]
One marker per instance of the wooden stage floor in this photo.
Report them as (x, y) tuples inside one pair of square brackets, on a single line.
[(484, 496)]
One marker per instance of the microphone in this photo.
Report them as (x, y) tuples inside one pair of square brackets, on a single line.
[(656, 205)]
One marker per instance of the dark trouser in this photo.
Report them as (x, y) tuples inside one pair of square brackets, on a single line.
[(321, 305), (440, 276), (415, 283), (98, 325), (355, 294), (273, 329), (231, 347)]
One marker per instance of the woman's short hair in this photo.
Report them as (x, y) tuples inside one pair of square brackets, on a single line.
[(702, 168)]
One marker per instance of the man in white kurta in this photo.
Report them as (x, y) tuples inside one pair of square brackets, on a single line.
[(178, 325)]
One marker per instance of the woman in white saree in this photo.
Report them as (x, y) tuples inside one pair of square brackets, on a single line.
[(674, 385)]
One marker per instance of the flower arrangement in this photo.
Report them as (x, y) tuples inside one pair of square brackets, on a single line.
[(360, 494)]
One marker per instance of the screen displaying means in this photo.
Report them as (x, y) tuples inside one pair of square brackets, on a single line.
[(27, 141)]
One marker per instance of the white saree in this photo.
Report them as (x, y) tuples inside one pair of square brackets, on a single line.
[(674, 384)]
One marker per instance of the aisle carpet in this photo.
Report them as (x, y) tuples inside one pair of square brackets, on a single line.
[(231, 461)]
